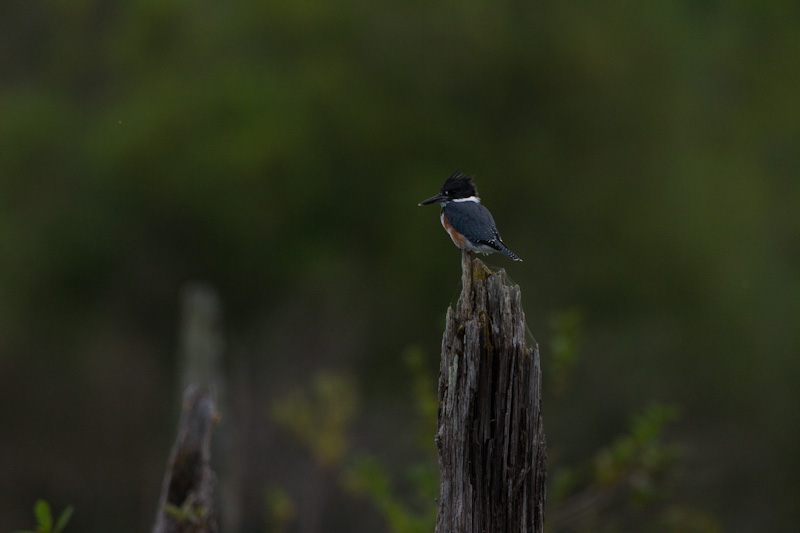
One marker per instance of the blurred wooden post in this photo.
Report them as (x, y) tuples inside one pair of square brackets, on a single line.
[(201, 344), (188, 493), (491, 446)]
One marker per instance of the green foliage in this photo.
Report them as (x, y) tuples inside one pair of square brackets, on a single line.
[(639, 457), (565, 341), (624, 478), (188, 512), (320, 418), (332, 397), (281, 510), (44, 518), (369, 478), (422, 384), (627, 480), (680, 519)]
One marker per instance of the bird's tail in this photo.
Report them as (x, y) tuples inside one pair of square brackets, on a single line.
[(510, 254)]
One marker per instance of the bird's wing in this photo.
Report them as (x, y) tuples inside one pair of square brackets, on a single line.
[(473, 221)]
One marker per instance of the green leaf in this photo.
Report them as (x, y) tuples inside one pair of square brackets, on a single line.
[(174, 511), (63, 519), (43, 517)]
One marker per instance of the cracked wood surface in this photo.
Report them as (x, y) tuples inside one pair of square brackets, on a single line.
[(492, 456)]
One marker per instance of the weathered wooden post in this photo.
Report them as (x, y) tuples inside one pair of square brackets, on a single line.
[(188, 502), (188, 494), (491, 446)]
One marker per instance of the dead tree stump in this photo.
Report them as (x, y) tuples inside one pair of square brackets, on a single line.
[(491, 446), (187, 503), (188, 493)]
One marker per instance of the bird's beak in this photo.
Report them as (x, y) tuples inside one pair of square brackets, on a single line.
[(433, 199)]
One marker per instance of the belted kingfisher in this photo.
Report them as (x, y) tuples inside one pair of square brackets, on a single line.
[(468, 223)]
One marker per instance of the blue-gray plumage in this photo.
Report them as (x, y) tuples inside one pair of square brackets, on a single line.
[(469, 224)]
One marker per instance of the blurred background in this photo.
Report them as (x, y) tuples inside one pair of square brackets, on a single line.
[(642, 158)]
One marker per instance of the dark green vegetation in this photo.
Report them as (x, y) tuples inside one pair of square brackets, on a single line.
[(643, 159), (44, 518)]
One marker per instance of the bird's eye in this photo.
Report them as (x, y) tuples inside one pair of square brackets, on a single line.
[(447, 193)]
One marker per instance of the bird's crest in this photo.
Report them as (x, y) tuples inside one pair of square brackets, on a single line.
[(460, 183)]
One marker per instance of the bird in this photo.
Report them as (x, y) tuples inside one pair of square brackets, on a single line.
[(468, 223)]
